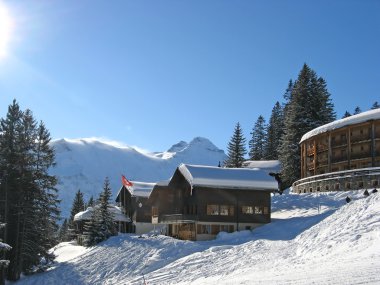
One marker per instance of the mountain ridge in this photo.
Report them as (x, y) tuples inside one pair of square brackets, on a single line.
[(85, 162)]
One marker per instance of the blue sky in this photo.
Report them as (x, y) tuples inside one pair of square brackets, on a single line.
[(152, 73)]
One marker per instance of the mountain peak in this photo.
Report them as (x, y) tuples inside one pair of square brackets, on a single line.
[(178, 146)]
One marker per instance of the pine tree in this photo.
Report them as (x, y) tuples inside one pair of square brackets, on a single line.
[(101, 226), (77, 206), (275, 131), (31, 198), (310, 106), (257, 144), (357, 110), (346, 114), (63, 234), (91, 202), (375, 106), (236, 148), (3, 262)]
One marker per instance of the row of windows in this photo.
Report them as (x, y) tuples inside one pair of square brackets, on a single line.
[(222, 210), (214, 229), (228, 210), (257, 210)]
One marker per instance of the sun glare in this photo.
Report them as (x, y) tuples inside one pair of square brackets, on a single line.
[(6, 26)]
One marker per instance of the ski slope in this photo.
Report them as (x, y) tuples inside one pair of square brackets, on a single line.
[(313, 239)]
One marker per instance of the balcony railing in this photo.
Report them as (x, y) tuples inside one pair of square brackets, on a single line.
[(361, 138), (359, 155), (339, 158), (179, 218), (322, 148)]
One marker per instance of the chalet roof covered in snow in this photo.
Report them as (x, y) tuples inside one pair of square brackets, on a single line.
[(237, 178), (141, 189), (352, 120), (118, 214), (266, 165)]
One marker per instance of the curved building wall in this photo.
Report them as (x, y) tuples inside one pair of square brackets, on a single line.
[(352, 146)]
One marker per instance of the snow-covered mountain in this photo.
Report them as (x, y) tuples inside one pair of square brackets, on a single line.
[(84, 163), (314, 238)]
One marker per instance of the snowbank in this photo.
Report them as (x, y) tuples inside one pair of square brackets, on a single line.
[(313, 238)]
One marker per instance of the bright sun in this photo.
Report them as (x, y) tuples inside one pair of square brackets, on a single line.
[(6, 27)]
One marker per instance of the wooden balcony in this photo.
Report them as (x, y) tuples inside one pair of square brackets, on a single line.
[(359, 139), (322, 148), (310, 152)]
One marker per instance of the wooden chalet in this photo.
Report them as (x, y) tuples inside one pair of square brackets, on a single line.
[(134, 200), (201, 201)]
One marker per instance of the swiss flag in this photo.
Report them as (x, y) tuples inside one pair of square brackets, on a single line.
[(126, 182)]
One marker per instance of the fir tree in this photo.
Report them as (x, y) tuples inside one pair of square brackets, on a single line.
[(310, 106), (346, 114), (3, 262), (31, 198), (78, 205), (101, 226), (236, 148), (63, 234), (375, 105), (275, 131), (257, 144), (91, 202), (357, 110)]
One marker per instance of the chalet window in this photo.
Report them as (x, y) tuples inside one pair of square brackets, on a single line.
[(258, 210), (231, 210), (247, 209), (224, 228), (212, 210), (215, 229), (224, 210), (154, 212), (337, 186), (361, 183), (327, 188), (203, 229), (375, 182), (266, 210)]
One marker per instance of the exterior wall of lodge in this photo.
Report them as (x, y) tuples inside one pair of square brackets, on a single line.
[(347, 158), (351, 147)]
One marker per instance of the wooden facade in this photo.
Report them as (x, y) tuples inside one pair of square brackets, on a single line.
[(138, 208), (333, 156), (200, 212), (351, 147)]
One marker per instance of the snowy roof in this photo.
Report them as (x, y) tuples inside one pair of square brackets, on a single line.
[(141, 189), (352, 120), (266, 165), (117, 212), (217, 177)]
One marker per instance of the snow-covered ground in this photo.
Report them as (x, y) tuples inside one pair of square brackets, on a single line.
[(313, 239)]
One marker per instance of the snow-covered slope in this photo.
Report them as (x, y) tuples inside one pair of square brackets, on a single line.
[(84, 163), (313, 239)]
